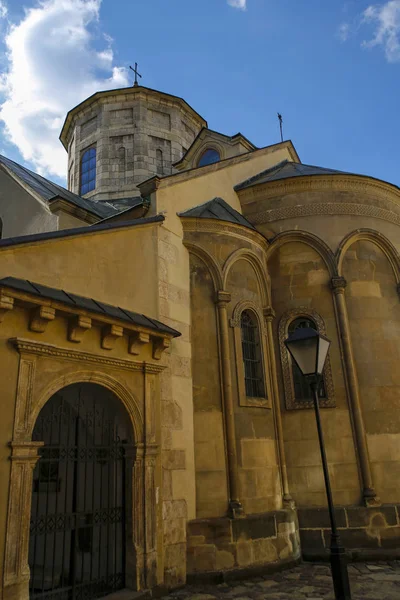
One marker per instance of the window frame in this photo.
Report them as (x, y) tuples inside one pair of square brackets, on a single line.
[(202, 153), (84, 152), (291, 403), (235, 323)]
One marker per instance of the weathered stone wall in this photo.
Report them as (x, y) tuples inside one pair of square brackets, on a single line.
[(210, 460), (176, 405), (374, 313), (137, 135), (225, 544), (365, 532), (260, 488), (300, 282)]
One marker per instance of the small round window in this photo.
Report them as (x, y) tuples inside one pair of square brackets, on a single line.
[(209, 157)]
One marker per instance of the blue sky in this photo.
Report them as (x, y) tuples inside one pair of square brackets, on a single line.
[(331, 68)]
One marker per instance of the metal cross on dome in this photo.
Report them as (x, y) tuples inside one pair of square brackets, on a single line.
[(136, 74)]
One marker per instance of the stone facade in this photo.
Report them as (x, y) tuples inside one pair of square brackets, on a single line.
[(225, 479), (137, 133)]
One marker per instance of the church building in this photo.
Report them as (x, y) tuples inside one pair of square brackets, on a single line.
[(153, 428)]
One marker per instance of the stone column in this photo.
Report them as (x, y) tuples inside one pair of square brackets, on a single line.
[(235, 507), (269, 315), (338, 285), (24, 456)]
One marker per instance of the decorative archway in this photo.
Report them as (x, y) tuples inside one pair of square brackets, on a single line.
[(43, 371), (375, 237), (81, 501)]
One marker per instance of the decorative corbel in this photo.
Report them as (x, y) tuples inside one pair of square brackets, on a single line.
[(40, 318), (6, 304), (77, 328), (109, 335), (159, 345), (137, 340)]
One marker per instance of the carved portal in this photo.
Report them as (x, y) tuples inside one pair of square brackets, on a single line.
[(32, 393)]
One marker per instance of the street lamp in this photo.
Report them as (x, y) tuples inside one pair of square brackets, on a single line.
[(309, 350)]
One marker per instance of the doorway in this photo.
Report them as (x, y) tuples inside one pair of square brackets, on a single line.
[(79, 495)]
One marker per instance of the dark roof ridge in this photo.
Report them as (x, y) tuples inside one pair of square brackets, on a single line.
[(276, 167), (50, 235), (86, 303), (207, 211), (49, 191)]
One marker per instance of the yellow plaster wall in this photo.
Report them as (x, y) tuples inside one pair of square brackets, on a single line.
[(300, 279), (374, 314), (117, 266), (180, 193)]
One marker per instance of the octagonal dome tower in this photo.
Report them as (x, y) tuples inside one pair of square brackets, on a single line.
[(119, 138)]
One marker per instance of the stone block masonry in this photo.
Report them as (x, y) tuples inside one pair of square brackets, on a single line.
[(221, 545), (369, 533)]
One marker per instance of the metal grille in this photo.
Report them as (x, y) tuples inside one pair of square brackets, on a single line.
[(77, 530), (302, 390), (251, 350)]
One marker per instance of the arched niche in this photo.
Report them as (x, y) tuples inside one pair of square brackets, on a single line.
[(369, 266)]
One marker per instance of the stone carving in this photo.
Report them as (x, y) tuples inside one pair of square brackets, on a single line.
[(33, 347), (290, 399), (77, 328), (325, 208), (6, 304), (41, 317)]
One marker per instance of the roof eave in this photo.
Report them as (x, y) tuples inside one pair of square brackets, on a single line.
[(97, 95)]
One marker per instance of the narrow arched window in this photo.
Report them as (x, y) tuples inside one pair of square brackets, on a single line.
[(252, 356), (159, 162), (302, 391), (209, 157), (1, 228), (88, 171)]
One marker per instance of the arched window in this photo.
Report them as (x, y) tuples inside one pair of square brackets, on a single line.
[(159, 162), (209, 157), (1, 228), (88, 171), (297, 391), (302, 390), (252, 356)]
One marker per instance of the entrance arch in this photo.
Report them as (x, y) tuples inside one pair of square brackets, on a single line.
[(80, 497)]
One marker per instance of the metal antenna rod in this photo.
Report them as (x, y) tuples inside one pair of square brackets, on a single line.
[(281, 125)]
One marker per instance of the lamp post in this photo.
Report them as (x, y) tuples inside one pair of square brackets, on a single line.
[(309, 350)]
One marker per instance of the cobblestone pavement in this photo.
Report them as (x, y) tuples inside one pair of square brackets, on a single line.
[(369, 581)]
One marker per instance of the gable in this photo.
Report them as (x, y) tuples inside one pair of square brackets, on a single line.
[(209, 140)]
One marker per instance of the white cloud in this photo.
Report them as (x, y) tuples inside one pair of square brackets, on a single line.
[(52, 65), (344, 32), (386, 21), (238, 4), (3, 9)]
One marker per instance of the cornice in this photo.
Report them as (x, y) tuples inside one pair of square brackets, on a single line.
[(324, 208), (322, 183), (216, 226), (26, 346)]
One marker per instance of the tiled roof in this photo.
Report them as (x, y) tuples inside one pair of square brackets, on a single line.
[(50, 191), (217, 209), (286, 170), (95, 306), (63, 233)]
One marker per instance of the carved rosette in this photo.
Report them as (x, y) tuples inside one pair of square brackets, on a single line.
[(290, 399)]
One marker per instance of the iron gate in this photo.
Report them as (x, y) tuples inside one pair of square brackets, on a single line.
[(77, 531)]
